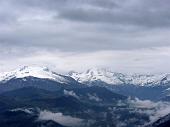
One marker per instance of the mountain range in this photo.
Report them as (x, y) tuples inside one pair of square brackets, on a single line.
[(96, 97), (88, 77), (153, 87), (114, 78)]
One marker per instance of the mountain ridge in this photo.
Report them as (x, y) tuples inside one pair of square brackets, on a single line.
[(114, 78), (87, 77), (35, 71)]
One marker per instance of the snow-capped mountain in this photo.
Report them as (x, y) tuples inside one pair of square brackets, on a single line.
[(33, 71), (144, 86), (114, 78), (154, 87), (89, 76)]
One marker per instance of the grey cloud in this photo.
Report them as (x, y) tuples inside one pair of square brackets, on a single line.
[(6, 16), (7, 19), (146, 14), (52, 4), (85, 25), (132, 12)]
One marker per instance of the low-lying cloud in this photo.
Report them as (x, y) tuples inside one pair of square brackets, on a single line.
[(60, 118), (71, 93), (154, 110)]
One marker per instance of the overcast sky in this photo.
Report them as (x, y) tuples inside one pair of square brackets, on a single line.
[(125, 35)]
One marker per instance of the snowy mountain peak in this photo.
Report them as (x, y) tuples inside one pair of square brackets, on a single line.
[(114, 78), (88, 77), (95, 74), (33, 71)]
